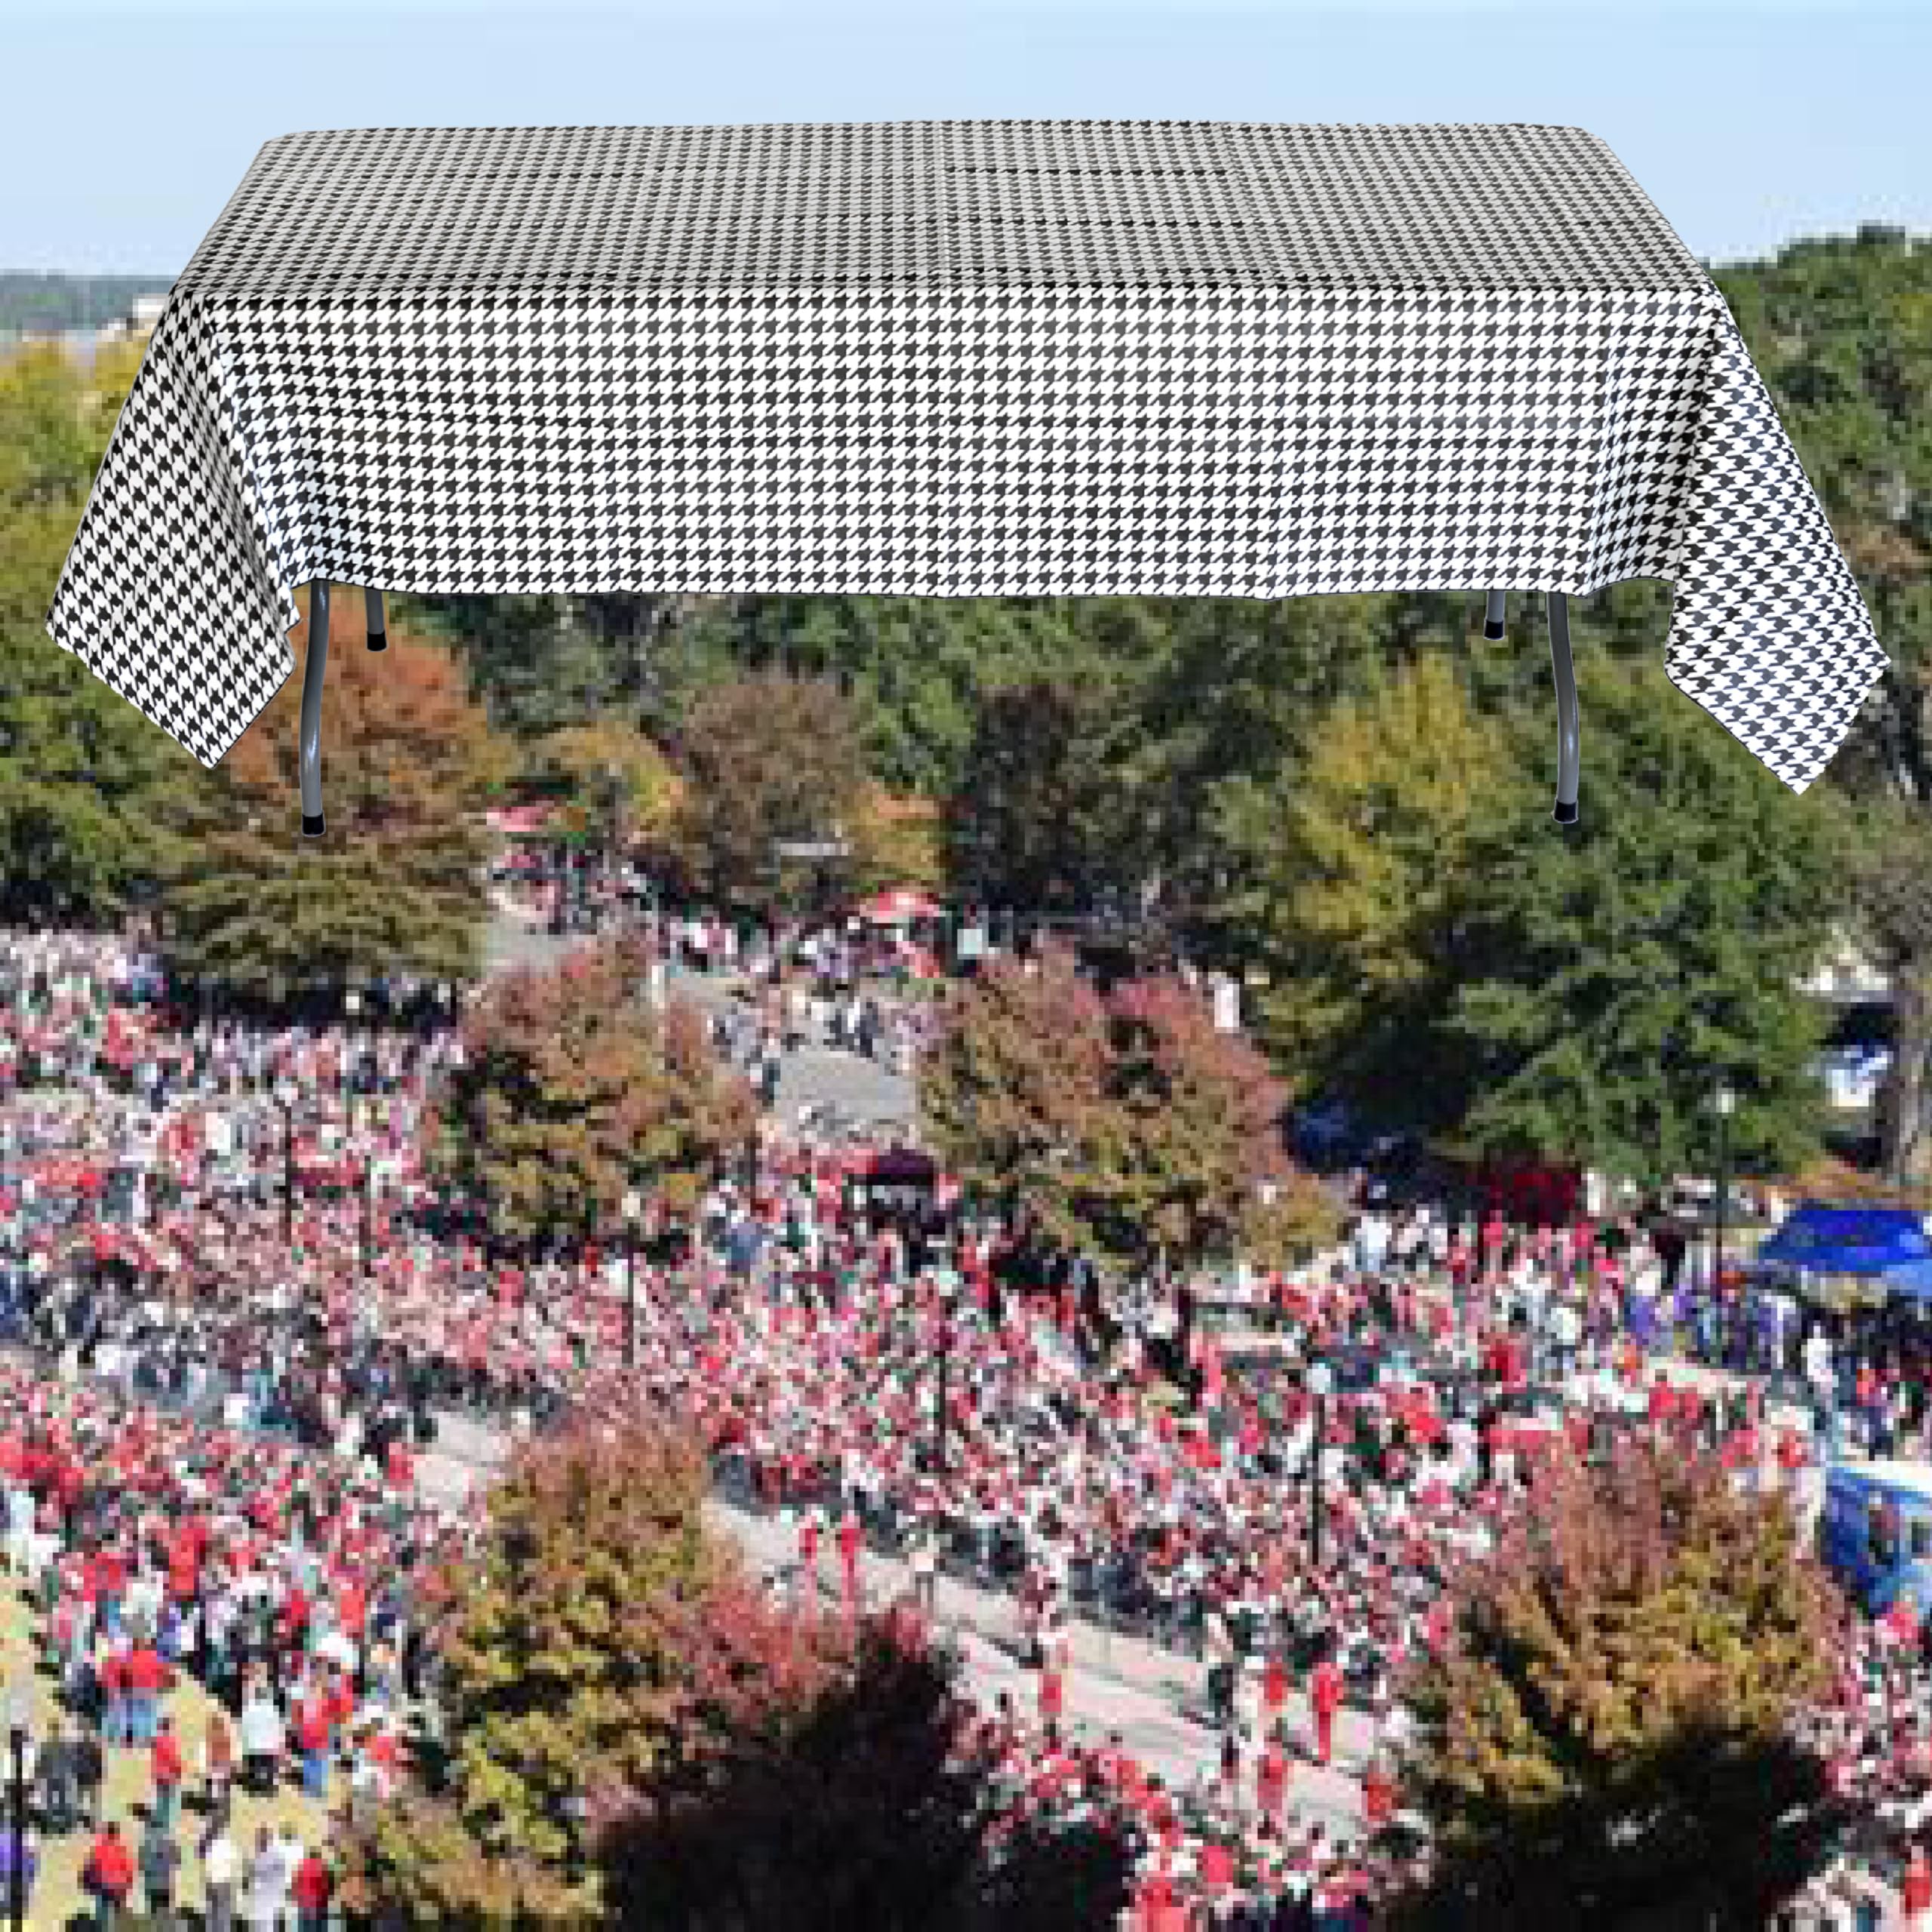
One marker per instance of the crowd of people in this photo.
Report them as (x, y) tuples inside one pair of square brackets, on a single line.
[(856, 1356)]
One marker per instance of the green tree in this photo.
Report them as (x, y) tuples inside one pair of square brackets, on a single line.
[(393, 886), (572, 1089), (767, 758), (1607, 1739), (1348, 866), (1595, 986), (84, 776), (1842, 330), (1045, 814), (535, 663)]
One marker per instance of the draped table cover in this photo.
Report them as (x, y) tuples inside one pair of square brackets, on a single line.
[(952, 358)]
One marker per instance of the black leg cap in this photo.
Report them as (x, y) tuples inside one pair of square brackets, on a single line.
[(379, 640), (1492, 632), (1565, 814), (312, 826)]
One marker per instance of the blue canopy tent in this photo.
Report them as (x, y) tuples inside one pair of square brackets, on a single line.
[(1887, 1246)]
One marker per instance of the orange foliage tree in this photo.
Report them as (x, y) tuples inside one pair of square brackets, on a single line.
[(408, 762), (574, 1088), (1126, 1127), (639, 1735), (570, 1641), (1609, 1737), (769, 759)]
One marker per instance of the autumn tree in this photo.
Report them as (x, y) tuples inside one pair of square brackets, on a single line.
[(625, 784), (391, 886), (1129, 1127), (1014, 1092), (767, 760), (574, 1087), (572, 1643), (1196, 1166), (1607, 1739), (862, 1801), (639, 1735)]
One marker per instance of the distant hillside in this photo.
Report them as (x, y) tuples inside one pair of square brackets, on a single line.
[(54, 302)]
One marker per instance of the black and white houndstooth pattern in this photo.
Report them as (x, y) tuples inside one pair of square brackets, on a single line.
[(952, 358)]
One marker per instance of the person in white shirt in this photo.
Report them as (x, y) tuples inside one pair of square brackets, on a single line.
[(1566, 1335), (220, 1864), (268, 1887)]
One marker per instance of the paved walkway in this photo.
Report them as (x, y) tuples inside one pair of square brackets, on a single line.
[(1152, 1696)]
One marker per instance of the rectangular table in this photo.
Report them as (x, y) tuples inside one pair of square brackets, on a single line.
[(952, 358)]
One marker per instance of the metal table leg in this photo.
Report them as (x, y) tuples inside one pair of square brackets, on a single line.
[(378, 629), (309, 744), (1568, 758), (1496, 614)]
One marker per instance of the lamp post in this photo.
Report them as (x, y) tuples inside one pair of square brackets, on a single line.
[(946, 1312), (374, 1167), (1320, 1382), (1726, 1103), (286, 1094), (19, 1724), (633, 1215)]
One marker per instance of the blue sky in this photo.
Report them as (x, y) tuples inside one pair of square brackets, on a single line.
[(1749, 122)]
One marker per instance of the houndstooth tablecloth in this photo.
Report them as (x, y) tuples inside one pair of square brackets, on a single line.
[(952, 358)]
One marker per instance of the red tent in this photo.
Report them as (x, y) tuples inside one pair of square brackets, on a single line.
[(900, 907)]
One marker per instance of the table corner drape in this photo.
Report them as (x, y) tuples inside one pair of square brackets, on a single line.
[(1769, 630), (151, 521)]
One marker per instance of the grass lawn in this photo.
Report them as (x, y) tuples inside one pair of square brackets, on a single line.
[(59, 1902)]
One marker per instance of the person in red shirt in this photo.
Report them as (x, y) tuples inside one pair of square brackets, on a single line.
[(1052, 1694), (111, 1670), (1271, 1780), (313, 1886), (1274, 1694), (1325, 1693), (1663, 1402), (808, 1570), (164, 1762), (110, 1873), (851, 1536), (1915, 1894), (147, 1677), (339, 1706), (1378, 1795), (312, 1740), (1154, 1898), (1216, 1865)]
